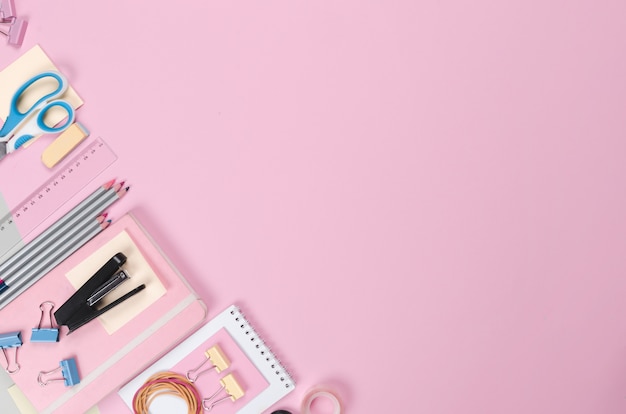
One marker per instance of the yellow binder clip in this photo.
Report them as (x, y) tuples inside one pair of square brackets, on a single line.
[(218, 359), (230, 386)]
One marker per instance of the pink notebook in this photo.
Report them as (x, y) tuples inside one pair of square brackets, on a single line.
[(108, 351)]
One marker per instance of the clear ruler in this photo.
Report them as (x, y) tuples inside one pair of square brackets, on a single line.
[(18, 223)]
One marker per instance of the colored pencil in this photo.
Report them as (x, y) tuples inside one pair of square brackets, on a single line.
[(69, 218), (50, 262), (43, 255), (83, 212), (58, 245)]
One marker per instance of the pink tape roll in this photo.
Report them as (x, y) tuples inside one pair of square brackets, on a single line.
[(320, 392)]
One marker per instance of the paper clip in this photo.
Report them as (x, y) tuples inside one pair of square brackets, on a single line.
[(69, 372), (40, 334), (14, 29), (216, 356), (11, 340), (232, 389)]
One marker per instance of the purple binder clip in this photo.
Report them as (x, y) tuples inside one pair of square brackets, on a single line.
[(7, 9), (14, 28)]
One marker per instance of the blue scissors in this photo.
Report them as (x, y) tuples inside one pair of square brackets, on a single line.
[(21, 127)]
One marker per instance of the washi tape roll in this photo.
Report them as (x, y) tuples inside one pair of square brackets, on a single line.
[(320, 392)]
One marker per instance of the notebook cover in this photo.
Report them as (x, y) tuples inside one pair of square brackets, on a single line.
[(105, 362)]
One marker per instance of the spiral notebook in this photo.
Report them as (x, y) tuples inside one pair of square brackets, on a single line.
[(259, 372)]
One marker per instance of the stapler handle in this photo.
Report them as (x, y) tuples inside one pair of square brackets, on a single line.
[(74, 325), (78, 301)]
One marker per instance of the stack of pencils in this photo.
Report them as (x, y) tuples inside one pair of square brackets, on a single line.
[(58, 242)]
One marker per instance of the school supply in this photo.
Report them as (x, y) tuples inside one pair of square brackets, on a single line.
[(17, 226), (64, 144), (122, 342), (31, 63), (39, 257), (14, 28), (39, 193), (69, 374), (16, 283), (229, 386), (87, 209), (312, 395), (11, 26), (171, 384), (57, 242), (22, 126), (7, 9), (41, 334), (11, 340), (219, 362), (80, 307), (266, 379), (320, 392)]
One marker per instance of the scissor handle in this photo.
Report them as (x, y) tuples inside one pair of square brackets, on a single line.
[(15, 117), (62, 86), (37, 126), (42, 113)]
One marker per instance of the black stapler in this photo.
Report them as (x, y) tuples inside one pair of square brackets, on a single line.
[(81, 308)]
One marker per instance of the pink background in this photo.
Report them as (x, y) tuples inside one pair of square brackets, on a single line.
[(419, 203)]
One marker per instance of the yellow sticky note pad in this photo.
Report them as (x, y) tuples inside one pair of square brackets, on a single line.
[(20, 400), (140, 273), (32, 63)]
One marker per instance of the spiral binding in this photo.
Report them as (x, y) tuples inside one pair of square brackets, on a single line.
[(264, 349)]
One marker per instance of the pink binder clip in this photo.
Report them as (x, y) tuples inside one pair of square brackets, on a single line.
[(7, 9), (10, 25), (14, 28)]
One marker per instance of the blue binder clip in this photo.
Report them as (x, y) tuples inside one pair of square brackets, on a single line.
[(11, 340), (69, 372), (40, 334)]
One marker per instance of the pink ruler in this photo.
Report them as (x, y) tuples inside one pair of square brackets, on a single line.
[(67, 181)]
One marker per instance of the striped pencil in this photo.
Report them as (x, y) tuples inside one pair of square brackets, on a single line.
[(33, 258), (43, 255), (97, 193), (48, 237), (68, 216), (54, 254), (16, 258), (45, 266), (86, 210)]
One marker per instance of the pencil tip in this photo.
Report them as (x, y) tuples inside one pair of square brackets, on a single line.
[(109, 184), (122, 192)]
